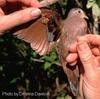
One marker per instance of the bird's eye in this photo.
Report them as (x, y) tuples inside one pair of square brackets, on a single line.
[(79, 11)]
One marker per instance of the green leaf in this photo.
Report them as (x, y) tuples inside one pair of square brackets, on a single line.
[(53, 56), (96, 10), (91, 0), (1, 68), (34, 54), (1, 40), (47, 65), (46, 58), (90, 3), (98, 2), (14, 80), (67, 97), (59, 97)]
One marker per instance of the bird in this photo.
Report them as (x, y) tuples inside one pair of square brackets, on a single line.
[(73, 26), (50, 31)]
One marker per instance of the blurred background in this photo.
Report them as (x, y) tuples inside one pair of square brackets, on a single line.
[(23, 70)]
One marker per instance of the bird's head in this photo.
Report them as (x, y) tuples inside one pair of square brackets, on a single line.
[(77, 12)]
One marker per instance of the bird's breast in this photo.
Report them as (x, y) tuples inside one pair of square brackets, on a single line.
[(72, 28)]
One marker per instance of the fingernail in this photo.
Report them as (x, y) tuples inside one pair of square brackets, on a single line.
[(35, 12), (68, 58), (73, 64)]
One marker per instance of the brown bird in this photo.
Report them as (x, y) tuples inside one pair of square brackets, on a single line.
[(74, 25), (50, 31)]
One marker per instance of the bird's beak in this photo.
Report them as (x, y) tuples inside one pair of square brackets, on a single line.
[(85, 16)]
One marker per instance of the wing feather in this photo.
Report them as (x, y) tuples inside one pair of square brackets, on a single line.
[(37, 33), (41, 46), (45, 49)]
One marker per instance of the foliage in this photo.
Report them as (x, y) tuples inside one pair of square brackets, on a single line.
[(95, 5), (23, 69)]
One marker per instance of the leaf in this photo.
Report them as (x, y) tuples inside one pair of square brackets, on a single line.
[(98, 2), (95, 5), (47, 58), (14, 80), (1, 40), (34, 54), (90, 3), (60, 97), (50, 58), (68, 97), (96, 10), (1, 68), (53, 56), (47, 65), (91, 0)]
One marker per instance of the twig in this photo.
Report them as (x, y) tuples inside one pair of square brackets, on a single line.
[(38, 60), (42, 61), (96, 25), (78, 3)]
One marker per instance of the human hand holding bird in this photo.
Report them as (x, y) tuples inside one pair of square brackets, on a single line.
[(16, 12), (59, 34), (19, 12)]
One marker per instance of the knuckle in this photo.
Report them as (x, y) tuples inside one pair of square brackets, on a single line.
[(87, 58)]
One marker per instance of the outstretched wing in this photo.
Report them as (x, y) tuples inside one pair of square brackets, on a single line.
[(42, 32)]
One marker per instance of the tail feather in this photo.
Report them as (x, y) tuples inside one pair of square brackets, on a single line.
[(72, 75)]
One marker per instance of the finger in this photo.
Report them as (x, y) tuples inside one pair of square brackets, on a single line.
[(18, 17), (1, 12), (73, 63), (98, 58), (47, 2), (95, 51), (86, 56), (93, 39), (2, 3), (72, 57), (34, 3), (98, 67), (73, 47)]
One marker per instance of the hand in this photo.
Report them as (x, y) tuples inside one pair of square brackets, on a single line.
[(16, 12), (48, 2), (87, 48)]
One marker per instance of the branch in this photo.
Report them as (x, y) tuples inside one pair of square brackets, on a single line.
[(42, 61)]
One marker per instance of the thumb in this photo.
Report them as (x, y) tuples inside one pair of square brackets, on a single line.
[(18, 17), (86, 56)]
